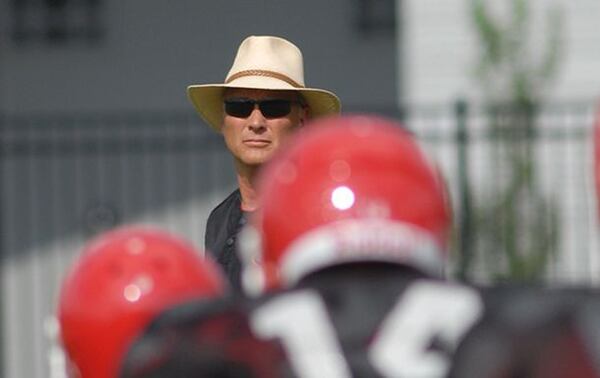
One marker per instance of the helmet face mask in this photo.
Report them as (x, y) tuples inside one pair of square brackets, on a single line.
[(354, 188), (119, 283), (253, 277)]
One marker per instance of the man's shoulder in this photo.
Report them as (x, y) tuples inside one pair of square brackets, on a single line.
[(230, 202)]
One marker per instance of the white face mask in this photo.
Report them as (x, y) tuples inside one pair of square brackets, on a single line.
[(249, 250)]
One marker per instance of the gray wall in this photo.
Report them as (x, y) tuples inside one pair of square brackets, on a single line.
[(153, 49)]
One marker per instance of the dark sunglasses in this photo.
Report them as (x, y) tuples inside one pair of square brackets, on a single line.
[(270, 108)]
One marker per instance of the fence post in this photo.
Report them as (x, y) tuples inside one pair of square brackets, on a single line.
[(3, 257), (464, 223)]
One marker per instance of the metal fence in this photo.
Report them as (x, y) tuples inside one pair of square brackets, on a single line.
[(498, 223), (66, 178)]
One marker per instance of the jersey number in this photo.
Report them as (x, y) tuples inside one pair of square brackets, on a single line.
[(426, 310)]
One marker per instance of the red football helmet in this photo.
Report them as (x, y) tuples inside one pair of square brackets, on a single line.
[(352, 188), (120, 282)]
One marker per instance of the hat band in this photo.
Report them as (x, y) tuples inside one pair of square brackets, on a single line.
[(266, 73)]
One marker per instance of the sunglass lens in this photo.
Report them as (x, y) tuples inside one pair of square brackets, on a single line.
[(275, 108), (239, 108)]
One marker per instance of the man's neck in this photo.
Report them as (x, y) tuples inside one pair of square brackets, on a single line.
[(245, 178)]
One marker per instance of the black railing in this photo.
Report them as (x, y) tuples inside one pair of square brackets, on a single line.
[(148, 146)]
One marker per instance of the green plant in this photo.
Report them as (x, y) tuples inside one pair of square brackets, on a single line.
[(517, 225)]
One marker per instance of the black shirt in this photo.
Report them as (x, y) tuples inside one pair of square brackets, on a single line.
[(222, 228)]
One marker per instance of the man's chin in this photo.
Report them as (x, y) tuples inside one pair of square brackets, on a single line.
[(256, 160)]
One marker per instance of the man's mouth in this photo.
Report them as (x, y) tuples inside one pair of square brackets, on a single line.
[(256, 142)]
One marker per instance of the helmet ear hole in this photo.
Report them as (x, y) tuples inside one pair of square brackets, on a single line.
[(115, 270), (160, 265)]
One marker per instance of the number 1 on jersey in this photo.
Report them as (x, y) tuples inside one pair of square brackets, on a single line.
[(301, 322)]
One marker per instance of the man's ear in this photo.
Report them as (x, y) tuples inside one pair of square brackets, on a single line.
[(304, 116)]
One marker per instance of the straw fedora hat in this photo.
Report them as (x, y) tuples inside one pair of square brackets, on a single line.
[(262, 62)]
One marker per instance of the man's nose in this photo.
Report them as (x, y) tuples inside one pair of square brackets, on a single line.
[(256, 120)]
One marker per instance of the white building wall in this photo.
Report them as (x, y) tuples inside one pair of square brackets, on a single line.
[(441, 49), (440, 56)]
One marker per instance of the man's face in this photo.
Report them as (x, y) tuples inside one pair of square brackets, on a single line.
[(252, 140)]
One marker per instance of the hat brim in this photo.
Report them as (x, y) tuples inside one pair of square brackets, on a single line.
[(208, 99)]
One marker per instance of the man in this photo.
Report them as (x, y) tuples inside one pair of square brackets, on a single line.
[(262, 101)]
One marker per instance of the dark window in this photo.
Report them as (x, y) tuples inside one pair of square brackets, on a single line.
[(56, 21), (376, 15)]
